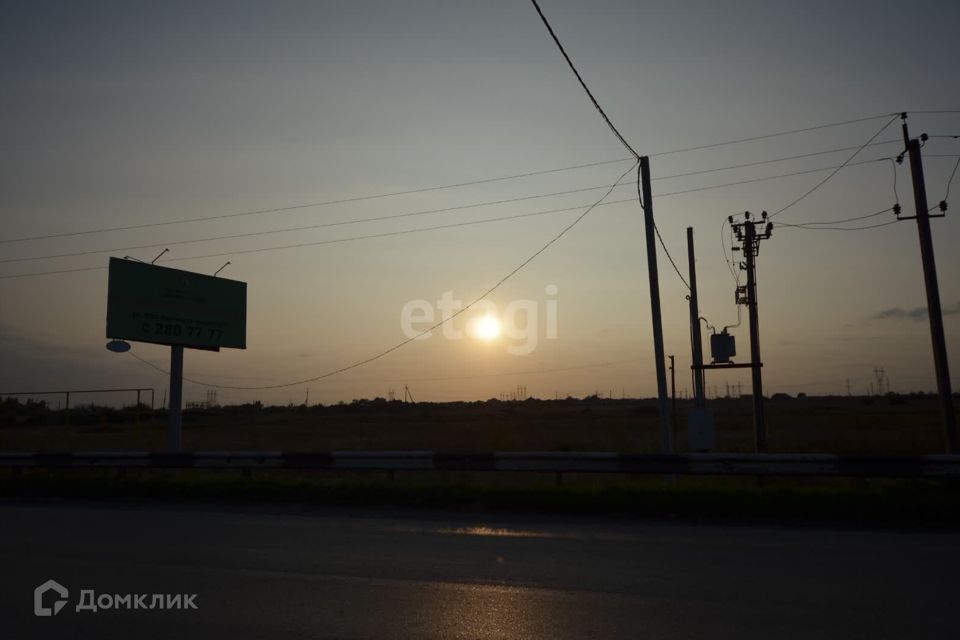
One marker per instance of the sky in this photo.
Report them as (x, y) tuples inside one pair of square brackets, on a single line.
[(133, 113)]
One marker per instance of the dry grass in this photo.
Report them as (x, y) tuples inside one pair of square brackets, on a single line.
[(824, 425)]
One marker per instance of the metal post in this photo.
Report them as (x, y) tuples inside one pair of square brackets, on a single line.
[(934, 310), (136, 416), (175, 425), (666, 444), (673, 401), (696, 340), (750, 251), (66, 408)]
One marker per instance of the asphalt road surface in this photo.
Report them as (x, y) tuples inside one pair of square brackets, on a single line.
[(317, 573)]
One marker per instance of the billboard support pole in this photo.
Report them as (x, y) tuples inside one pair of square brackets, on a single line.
[(175, 425)]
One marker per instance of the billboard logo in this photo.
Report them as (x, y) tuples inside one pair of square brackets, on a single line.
[(58, 604)]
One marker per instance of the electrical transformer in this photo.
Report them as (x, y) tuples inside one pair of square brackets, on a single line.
[(723, 346)]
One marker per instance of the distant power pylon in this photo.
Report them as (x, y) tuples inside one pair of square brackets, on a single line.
[(882, 383)]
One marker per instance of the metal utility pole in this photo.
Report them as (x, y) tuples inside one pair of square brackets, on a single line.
[(934, 310), (666, 442), (750, 246), (697, 346)]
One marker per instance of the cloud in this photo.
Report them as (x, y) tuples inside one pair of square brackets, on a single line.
[(915, 314)]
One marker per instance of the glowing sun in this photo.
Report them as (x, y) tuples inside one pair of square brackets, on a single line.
[(486, 328)]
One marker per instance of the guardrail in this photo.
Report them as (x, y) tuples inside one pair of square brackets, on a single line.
[(720, 464)]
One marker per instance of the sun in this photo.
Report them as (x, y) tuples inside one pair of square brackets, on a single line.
[(486, 328)]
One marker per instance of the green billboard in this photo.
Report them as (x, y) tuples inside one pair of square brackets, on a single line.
[(150, 303)]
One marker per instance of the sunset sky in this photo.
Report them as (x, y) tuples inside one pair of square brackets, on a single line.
[(130, 113)]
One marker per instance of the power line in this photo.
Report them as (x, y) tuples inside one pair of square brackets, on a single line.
[(335, 240), (872, 226), (461, 184), (423, 212), (414, 213), (896, 195), (670, 257), (501, 374), (395, 233), (823, 222), (774, 177), (54, 272), (772, 160), (281, 209), (308, 227), (584, 84), (723, 246), (837, 170), (380, 218), (436, 325), (308, 205), (776, 134), (408, 231), (532, 372), (950, 181)]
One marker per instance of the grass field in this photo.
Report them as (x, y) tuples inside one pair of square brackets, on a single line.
[(816, 425), (890, 425), (897, 503)]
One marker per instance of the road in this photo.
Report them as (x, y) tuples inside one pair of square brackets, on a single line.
[(310, 572)]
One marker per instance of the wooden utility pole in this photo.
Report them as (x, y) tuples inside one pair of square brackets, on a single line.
[(697, 342), (934, 310), (666, 441)]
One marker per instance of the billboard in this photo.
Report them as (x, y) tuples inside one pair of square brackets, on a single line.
[(150, 303)]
